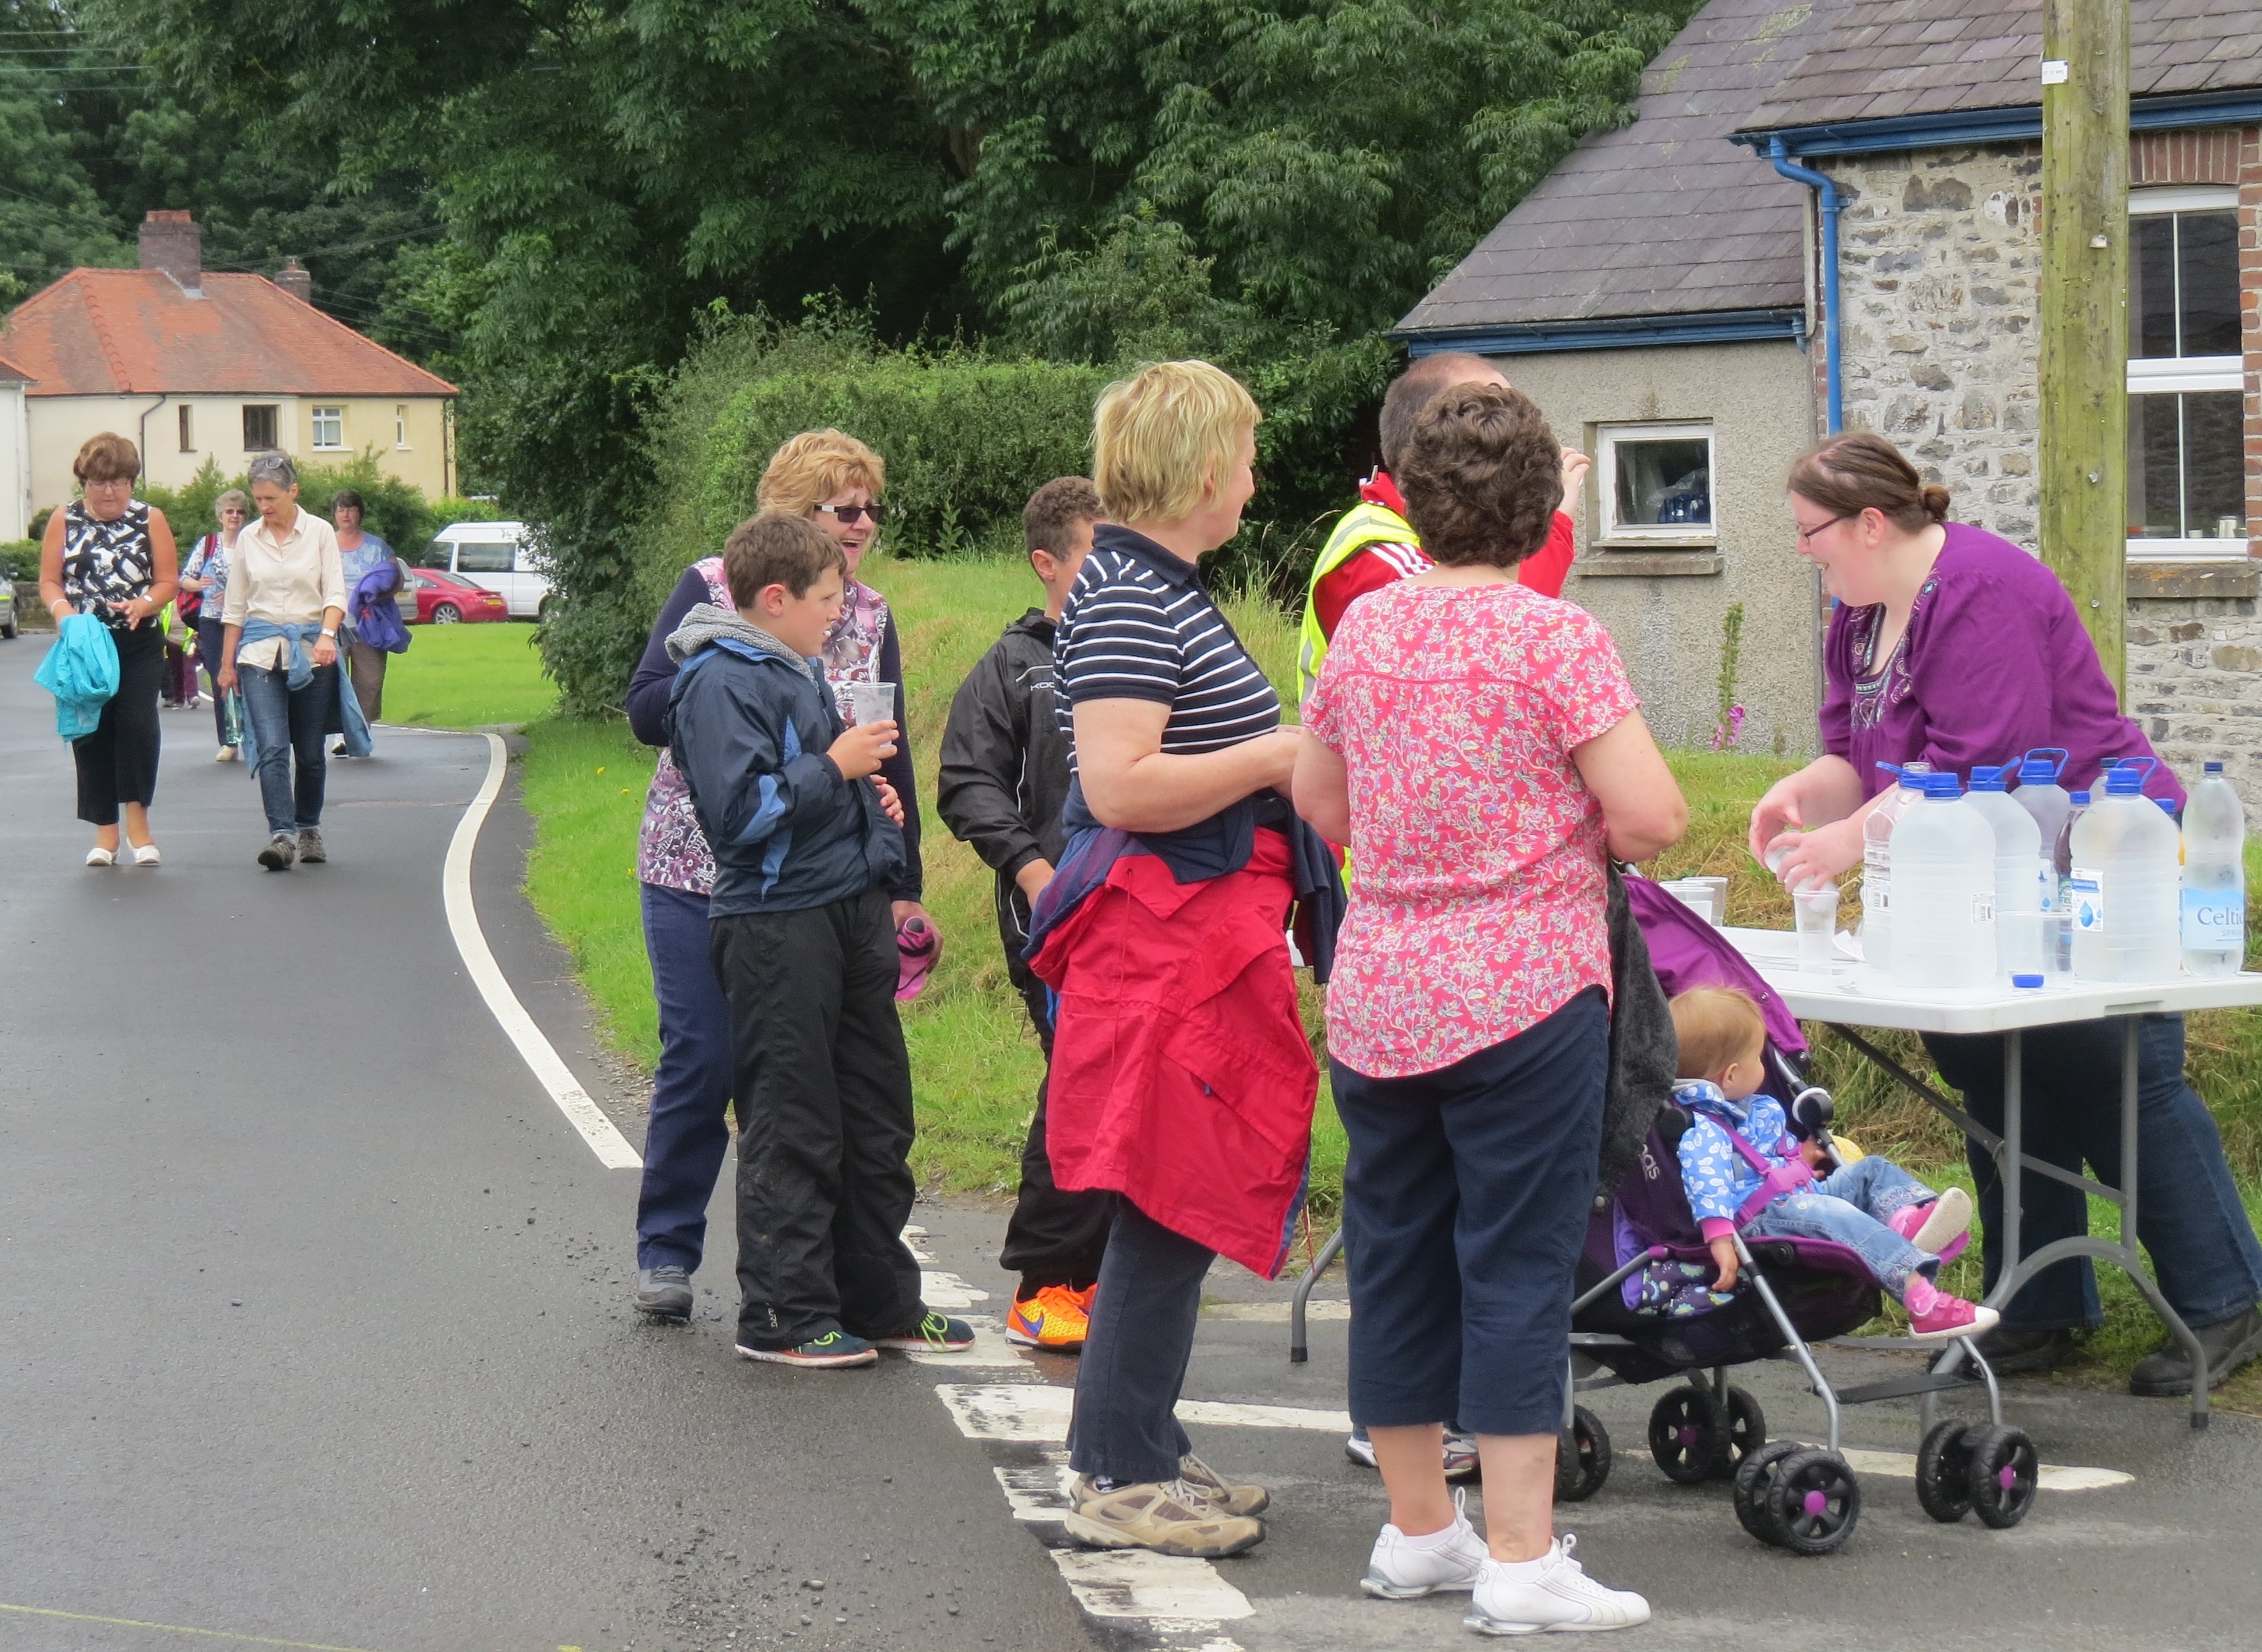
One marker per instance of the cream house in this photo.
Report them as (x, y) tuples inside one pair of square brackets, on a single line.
[(196, 365), (15, 452)]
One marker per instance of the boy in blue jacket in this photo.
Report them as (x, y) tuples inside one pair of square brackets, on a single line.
[(805, 839)]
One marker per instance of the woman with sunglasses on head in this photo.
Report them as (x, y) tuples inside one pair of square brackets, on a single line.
[(1956, 647), (834, 480), (206, 574)]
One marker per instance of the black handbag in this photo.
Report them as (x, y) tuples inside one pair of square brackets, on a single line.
[(1645, 1052)]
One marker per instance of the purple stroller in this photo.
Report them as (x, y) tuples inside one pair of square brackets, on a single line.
[(1792, 1293)]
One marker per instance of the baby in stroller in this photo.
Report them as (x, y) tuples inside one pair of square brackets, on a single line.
[(1742, 1169)]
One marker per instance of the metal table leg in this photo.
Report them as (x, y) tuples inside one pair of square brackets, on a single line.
[(1300, 1348)]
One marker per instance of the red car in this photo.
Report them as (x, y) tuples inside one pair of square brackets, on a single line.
[(442, 599)]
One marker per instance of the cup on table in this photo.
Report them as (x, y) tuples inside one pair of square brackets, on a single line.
[(870, 703), (1816, 910), (2025, 941), (1705, 896)]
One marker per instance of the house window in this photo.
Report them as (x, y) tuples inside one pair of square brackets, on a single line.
[(2186, 425), (329, 426), (1655, 482), (400, 424), (259, 426), (188, 431)]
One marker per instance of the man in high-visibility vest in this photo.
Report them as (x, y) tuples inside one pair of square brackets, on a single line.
[(1374, 545)]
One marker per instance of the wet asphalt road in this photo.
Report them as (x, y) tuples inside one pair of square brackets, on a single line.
[(312, 1321)]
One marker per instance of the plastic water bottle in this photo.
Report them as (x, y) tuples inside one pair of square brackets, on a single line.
[(2061, 876), (1943, 902), (2123, 883), (1877, 866), (2215, 878), (2020, 877), (2041, 796)]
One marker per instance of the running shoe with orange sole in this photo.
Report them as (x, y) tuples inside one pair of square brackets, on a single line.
[(1057, 1320)]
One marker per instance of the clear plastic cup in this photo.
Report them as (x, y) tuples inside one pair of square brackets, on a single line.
[(2024, 941), (871, 702), (1816, 910)]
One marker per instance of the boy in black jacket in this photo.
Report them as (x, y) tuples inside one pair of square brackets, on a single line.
[(1004, 775), (805, 952)]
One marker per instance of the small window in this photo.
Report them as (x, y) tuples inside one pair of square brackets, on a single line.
[(188, 431), (2188, 468), (400, 424), (259, 428), (2183, 286), (493, 557), (1656, 483), (440, 554), (2187, 429), (329, 426)]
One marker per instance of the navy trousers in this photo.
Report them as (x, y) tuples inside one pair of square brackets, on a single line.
[(686, 1134), (1465, 1198), (1124, 1426)]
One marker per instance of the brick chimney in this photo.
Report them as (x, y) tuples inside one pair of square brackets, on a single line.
[(175, 243), (294, 279)]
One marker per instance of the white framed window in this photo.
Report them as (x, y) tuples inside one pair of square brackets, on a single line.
[(1655, 483), (2186, 418), (400, 424), (329, 426)]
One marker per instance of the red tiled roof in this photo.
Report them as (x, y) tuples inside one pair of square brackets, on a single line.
[(10, 373), (134, 332)]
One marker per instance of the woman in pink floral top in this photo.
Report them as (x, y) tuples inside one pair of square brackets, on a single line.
[(1479, 748)]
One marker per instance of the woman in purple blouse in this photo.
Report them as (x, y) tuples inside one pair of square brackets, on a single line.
[(1954, 647)]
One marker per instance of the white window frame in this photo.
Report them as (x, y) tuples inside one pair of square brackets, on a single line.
[(1650, 535), (336, 412), (400, 426), (2160, 375)]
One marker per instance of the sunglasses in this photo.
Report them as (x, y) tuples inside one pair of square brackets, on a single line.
[(849, 516)]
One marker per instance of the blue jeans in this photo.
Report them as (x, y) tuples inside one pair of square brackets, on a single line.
[(288, 723), (1465, 1199), (1125, 1426), (685, 1134), (2189, 1218), (210, 636), (1850, 1206)]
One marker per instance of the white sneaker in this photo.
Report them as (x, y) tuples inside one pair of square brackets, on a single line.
[(1947, 1220), (1397, 1570), (1561, 1596)]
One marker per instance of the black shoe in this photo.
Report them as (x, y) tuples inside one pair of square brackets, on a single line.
[(2228, 1345), (2010, 1351), (338, 750), (281, 851), (664, 1291)]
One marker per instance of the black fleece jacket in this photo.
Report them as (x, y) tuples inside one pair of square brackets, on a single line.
[(655, 675)]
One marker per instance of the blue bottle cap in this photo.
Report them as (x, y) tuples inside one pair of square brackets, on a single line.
[(1941, 786), (2167, 806), (2042, 765), (2081, 797), (2215, 765), (2028, 982), (1989, 779), (2127, 775)]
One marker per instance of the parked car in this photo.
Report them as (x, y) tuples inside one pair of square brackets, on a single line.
[(7, 609), (442, 599), (497, 556)]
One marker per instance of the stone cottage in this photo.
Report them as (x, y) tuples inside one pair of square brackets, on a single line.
[(1667, 296)]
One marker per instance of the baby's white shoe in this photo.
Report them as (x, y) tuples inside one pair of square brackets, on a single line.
[(1399, 1569), (1552, 1593)]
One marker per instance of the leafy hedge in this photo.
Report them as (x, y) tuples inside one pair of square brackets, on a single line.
[(396, 511)]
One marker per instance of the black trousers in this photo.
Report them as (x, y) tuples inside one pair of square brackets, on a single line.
[(209, 635), (1125, 1425), (824, 1094), (117, 762), (1053, 1237)]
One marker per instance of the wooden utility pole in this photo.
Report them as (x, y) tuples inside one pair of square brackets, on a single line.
[(2084, 315)]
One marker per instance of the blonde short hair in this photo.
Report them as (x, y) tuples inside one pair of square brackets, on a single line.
[(813, 466), (1718, 1026), (1166, 438)]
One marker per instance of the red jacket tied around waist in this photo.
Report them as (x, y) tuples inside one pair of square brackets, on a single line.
[(1181, 1075)]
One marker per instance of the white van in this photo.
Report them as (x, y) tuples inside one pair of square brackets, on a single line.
[(496, 556)]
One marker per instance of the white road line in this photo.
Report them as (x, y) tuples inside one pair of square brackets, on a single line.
[(990, 1349), (1037, 1413), (1901, 1465), (1319, 1309), (611, 1148), (1175, 1594), (946, 1290)]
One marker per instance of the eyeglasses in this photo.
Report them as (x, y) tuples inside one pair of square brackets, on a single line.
[(849, 516), (1806, 535)]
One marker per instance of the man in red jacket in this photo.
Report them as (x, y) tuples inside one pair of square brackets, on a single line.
[(1374, 545)]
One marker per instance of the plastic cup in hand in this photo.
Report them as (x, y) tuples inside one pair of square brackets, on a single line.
[(1779, 851), (1816, 913), (871, 702)]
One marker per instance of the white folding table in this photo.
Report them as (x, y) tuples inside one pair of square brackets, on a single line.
[(1845, 1000)]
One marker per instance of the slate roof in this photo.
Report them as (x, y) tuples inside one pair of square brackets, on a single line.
[(1882, 58), (1664, 216), (135, 332)]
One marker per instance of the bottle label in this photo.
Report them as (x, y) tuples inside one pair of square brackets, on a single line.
[(1983, 909), (2215, 920), (1877, 895), (2085, 897)]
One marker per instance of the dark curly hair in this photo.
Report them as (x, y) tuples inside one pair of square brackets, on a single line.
[(1482, 477)]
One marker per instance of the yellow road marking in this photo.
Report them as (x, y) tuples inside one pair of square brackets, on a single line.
[(176, 1628)]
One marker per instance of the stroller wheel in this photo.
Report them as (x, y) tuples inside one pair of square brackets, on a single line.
[(1747, 1434), (1816, 1502), (1754, 1475), (1688, 1435), (1579, 1474), (1943, 1472), (2003, 1473)]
